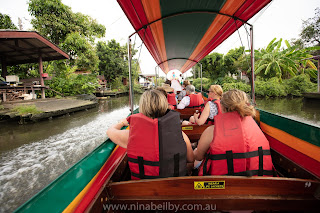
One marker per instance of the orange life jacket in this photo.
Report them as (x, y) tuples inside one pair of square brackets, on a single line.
[(156, 147), (171, 97), (196, 100), (238, 148)]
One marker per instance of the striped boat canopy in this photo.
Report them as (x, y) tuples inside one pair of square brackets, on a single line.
[(179, 33)]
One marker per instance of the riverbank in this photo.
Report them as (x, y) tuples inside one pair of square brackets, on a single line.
[(47, 109)]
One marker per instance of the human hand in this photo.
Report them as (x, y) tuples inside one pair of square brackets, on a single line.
[(196, 115), (124, 122)]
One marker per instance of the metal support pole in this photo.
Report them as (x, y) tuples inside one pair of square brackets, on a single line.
[(252, 67), (43, 94), (201, 75), (4, 67), (155, 71), (318, 74), (130, 78)]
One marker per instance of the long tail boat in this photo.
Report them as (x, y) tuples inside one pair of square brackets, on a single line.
[(178, 34)]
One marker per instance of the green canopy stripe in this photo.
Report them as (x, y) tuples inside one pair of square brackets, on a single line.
[(191, 26)]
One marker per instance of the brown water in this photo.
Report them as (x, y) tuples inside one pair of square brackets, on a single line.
[(33, 155)]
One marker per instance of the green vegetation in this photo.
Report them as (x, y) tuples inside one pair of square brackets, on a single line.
[(1, 107), (75, 33), (280, 71), (26, 109)]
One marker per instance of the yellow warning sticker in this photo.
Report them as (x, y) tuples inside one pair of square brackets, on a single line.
[(209, 184), (187, 128)]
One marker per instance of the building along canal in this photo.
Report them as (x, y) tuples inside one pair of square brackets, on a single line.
[(34, 154)]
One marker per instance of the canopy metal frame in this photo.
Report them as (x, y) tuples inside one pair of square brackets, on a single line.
[(183, 13)]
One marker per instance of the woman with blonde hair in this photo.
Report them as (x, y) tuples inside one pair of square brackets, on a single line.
[(156, 146), (211, 109), (235, 145)]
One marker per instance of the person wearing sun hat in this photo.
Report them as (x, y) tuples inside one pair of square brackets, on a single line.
[(171, 97)]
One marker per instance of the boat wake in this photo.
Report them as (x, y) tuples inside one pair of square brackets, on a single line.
[(24, 171)]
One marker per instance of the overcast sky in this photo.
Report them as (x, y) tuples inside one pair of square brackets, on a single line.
[(281, 19)]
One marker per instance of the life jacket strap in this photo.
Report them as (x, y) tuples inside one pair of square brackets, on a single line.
[(141, 167), (199, 106), (260, 152), (230, 156), (209, 120), (238, 155), (145, 162), (141, 162)]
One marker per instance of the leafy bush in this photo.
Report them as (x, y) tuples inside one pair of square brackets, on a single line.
[(270, 88), (117, 85), (299, 84), (236, 85), (228, 79), (73, 85), (206, 83)]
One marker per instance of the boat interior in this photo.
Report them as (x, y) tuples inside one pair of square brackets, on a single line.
[(293, 189)]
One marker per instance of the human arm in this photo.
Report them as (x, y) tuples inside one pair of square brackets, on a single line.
[(204, 115), (204, 143), (190, 156), (118, 136)]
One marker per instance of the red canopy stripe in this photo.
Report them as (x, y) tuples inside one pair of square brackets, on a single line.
[(153, 12), (245, 12)]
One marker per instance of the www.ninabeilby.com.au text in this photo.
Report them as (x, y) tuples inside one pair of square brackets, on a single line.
[(165, 206)]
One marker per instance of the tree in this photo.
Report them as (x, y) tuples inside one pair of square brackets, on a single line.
[(83, 54), (114, 60), (73, 32), (56, 20), (310, 34), (216, 66), (111, 56), (6, 22), (274, 61)]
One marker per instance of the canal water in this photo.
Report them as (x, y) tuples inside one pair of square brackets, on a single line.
[(33, 155)]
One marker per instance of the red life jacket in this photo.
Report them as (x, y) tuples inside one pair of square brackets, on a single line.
[(156, 147), (196, 100), (171, 97), (238, 148)]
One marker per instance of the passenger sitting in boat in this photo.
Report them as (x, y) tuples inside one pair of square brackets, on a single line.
[(171, 98), (211, 109), (176, 86), (156, 145), (192, 100), (183, 91), (235, 145)]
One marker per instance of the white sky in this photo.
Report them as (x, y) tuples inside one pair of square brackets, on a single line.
[(281, 19)]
